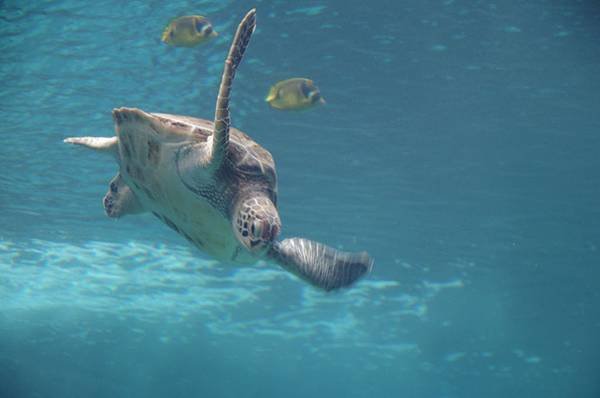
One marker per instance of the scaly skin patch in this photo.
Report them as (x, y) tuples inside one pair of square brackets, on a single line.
[(257, 223)]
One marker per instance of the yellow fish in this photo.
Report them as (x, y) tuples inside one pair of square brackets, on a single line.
[(188, 31), (294, 94)]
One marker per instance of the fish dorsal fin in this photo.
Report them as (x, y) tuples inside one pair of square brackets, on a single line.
[(222, 120)]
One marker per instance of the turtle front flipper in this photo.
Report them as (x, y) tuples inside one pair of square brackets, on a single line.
[(120, 199), (222, 119), (320, 265)]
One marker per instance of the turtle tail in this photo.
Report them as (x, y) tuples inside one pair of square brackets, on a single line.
[(222, 119)]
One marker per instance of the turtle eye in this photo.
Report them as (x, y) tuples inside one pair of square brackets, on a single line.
[(207, 30)]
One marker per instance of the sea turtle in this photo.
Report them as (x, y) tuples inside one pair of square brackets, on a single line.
[(213, 185)]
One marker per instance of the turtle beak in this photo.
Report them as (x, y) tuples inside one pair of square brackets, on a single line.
[(274, 233), (263, 234), (263, 230), (266, 230)]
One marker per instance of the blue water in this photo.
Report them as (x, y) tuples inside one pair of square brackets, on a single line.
[(460, 146)]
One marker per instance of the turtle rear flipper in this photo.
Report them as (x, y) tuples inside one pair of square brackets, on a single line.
[(120, 199), (321, 265), (102, 144)]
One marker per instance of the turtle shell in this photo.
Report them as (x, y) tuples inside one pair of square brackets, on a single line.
[(246, 156), (165, 160)]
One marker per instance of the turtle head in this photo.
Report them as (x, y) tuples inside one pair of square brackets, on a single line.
[(256, 223)]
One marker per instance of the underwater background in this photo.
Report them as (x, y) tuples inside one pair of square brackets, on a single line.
[(460, 146)]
